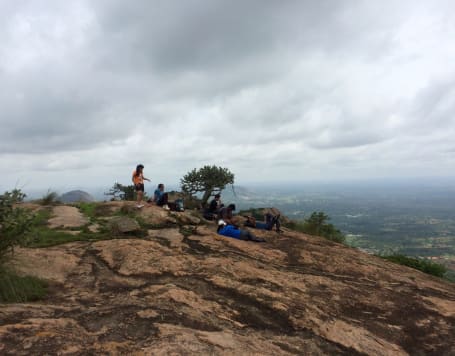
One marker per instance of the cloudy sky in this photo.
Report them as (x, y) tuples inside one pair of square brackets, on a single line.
[(273, 90)]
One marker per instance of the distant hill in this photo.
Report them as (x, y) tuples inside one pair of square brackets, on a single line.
[(76, 196)]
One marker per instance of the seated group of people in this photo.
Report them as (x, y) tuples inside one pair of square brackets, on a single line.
[(227, 227)]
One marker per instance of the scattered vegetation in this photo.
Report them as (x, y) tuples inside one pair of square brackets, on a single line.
[(50, 198), (93, 210), (17, 289), (317, 224), (208, 180), (122, 192), (14, 222), (88, 209), (43, 237), (420, 264)]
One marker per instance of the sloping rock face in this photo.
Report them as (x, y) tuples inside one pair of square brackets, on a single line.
[(187, 290), (123, 224)]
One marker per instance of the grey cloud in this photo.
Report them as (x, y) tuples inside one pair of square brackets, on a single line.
[(171, 38), (433, 107), (41, 116)]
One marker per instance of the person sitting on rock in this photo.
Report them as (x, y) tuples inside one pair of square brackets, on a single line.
[(213, 209), (160, 197), (230, 230), (270, 221), (225, 213)]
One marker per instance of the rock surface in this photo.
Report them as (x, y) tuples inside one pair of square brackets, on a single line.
[(67, 216), (186, 290), (123, 224)]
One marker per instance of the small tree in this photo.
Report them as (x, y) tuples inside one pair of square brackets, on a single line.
[(208, 180), (121, 192), (317, 224), (14, 222), (49, 198)]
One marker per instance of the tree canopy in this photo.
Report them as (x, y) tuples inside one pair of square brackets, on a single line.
[(208, 180), (121, 192), (317, 224)]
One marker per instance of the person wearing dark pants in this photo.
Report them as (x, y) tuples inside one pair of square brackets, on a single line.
[(229, 230), (160, 197), (138, 181), (270, 222)]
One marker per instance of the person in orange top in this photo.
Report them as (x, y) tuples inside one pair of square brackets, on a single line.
[(138, 181)]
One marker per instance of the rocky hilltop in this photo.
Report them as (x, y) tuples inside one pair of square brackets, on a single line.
[(179, 288)]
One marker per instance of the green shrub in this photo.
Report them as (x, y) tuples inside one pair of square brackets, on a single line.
[(122, 192), (88, 209), (16, 289), (50, 198), (420, 264), (14, 222), (207, 180), (317, 224)]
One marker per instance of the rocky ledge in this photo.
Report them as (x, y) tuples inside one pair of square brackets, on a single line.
[(183, 289)]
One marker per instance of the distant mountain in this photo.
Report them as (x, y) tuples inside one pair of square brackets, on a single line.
[(76, 196)]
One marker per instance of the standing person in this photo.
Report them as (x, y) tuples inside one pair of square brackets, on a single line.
[(138, 181), (160, 197)]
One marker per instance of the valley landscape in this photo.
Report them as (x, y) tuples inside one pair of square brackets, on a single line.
[(378, 217)]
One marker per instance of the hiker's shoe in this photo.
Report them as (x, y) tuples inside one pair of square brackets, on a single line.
[(139, 206), (165, 207)]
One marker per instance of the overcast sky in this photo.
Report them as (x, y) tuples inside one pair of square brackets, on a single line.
[(273, 90)]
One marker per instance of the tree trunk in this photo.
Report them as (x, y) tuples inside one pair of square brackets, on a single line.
[(206, 197)]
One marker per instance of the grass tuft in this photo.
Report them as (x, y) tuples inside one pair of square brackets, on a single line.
[(50, 198), (18, 289), (420, 264)]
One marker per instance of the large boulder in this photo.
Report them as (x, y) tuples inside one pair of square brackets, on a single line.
[(123, 224)]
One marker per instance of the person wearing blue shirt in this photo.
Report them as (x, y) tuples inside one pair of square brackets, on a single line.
[(229, 230), (160, 197)]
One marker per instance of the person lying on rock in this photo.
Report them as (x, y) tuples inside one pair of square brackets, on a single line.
[(229, 230), (270, 221)]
